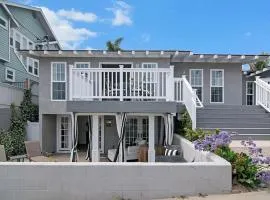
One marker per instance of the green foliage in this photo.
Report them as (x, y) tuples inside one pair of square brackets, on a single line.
[(6, 140), (29, 111), (184, 124), (114, 46), (193, 135), (244, 171), (259, 65)]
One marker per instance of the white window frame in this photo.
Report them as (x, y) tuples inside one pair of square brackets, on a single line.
[(13, 71), (253, 95), (21, 39), (6, 21), (58, 131), (33, 61), (211, 85), (155, 74), (190, 70), (78, 63), (65, 81)]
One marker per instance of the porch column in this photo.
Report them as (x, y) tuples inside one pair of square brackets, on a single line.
[(151, 139), (95, 149)]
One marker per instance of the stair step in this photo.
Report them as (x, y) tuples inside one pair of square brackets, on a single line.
[(232, 125), (239, 120), (235, 116)]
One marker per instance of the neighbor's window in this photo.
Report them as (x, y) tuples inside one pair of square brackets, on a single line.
[(59, 78), (3, 23), (17, 41), (250, 92), (217, 85), (33, 66), (196, 81), (11, 37), (10, 74)]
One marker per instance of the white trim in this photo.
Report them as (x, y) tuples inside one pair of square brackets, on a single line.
[(88, 63), (193, 69), (58, 138), (253, 89), (119, 63), (211, 70), (13, 72), (6, 22), (65, 81)]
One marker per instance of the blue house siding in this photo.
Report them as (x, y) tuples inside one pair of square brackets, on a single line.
[(20, 72), (29, 24), (4, 37)]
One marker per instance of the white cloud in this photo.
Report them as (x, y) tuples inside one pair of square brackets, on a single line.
[(122, 12), (26, 2), (248, 34), (77, 15), (69, 36), (146, 37)]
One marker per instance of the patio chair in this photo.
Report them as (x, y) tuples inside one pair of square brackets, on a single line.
[(34, 153), (3, 156)]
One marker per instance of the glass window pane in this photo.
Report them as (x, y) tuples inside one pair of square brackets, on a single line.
[(216, 94)]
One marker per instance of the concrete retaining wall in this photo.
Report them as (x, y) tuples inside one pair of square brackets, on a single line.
[(31, 181)]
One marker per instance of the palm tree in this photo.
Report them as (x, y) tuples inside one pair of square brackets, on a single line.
[(114, 46)]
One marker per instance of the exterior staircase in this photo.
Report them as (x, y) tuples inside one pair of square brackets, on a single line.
[(247, 121)]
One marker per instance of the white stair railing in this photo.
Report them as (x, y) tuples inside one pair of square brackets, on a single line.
[(262, 93), (191, 101)]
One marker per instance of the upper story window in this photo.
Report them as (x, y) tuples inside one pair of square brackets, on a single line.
[(19, 41), (3, 23), (58, 78), (150, 77), (217, 85), (33, 66), (196, 81), (82, 65), (10, 74)]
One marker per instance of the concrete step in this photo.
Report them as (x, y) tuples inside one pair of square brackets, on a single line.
[(238, 119), (232, 125)]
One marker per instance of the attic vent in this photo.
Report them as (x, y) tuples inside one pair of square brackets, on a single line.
[(34, 15)]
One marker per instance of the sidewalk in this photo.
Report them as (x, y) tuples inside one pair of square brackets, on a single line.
[(262, 195)]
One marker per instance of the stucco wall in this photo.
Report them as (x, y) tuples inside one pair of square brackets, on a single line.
[(232, 79), (27, 181)]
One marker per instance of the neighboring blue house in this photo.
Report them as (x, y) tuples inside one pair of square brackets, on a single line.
[(21, 28)]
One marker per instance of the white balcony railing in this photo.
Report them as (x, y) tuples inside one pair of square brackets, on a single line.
[(122, 83), (262, 94)]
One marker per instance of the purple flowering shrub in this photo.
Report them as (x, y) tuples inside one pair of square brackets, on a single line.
[(248, 170), (263, 162)]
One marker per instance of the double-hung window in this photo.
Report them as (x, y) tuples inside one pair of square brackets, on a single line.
[(196, 81), (217, 85), (58, 70), (10, 74), (150, 77), (250, 92), (17, 41), (33, 66)]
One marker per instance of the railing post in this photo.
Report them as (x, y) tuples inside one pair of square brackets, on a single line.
[(170, 84), (257, 90), (70, 82), (121, 82)]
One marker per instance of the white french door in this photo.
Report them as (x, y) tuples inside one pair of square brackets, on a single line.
[(63, 133)]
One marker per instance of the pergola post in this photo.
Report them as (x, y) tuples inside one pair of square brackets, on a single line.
[(151, 145), (95, 142)]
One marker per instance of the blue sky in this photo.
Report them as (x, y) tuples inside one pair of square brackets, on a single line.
[(202, 26)]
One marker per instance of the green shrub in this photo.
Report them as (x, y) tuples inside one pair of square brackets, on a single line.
[(184, 123), (243, 170), (193, 135), (29, 111), (6, 140)]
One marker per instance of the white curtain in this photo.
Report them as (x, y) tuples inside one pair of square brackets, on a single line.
[(119, 121), (74, 125), (168, 120)]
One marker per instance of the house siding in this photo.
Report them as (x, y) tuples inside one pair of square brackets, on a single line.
[(232, 80), (4, 37), (29, 26)]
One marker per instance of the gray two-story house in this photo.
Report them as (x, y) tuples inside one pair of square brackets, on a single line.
[(21, 28), (98, 97)]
